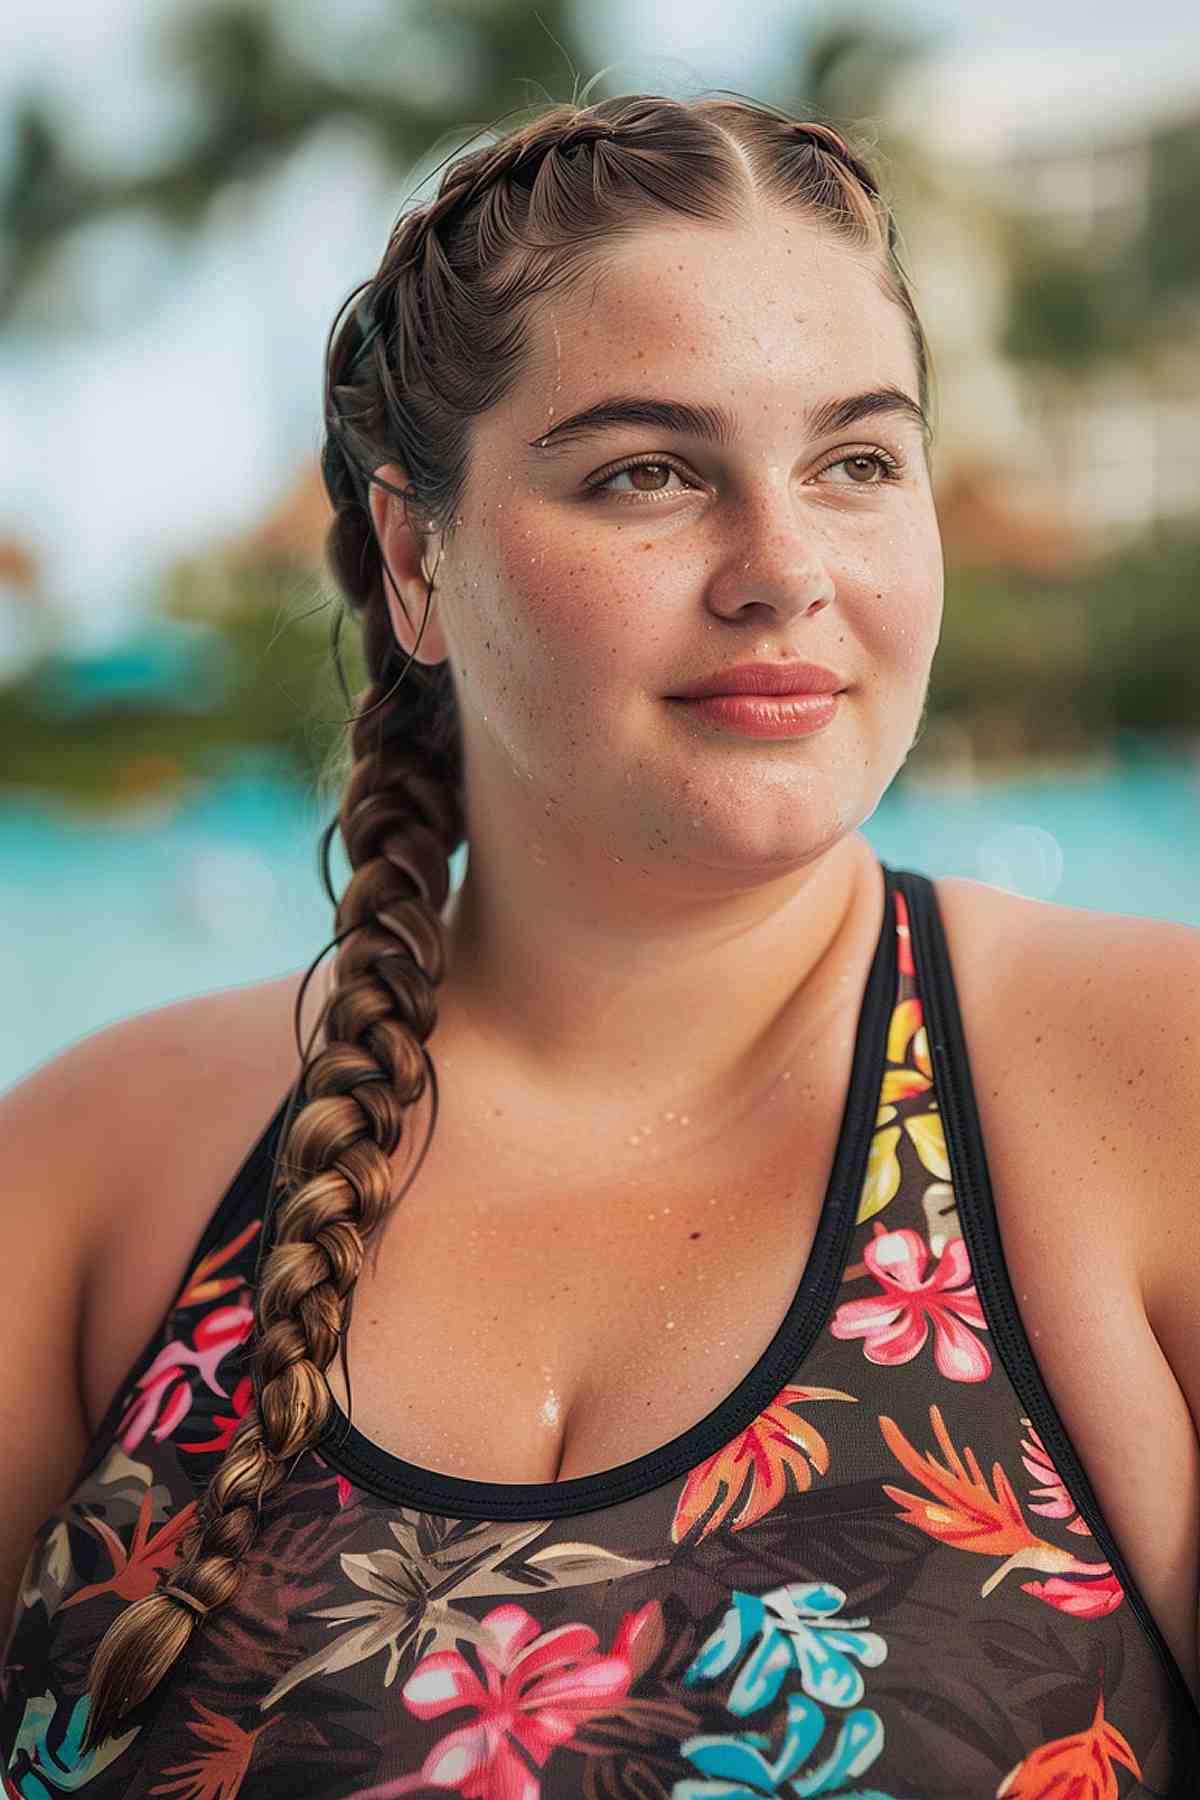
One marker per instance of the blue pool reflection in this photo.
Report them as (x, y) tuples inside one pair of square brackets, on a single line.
[(106, 918)]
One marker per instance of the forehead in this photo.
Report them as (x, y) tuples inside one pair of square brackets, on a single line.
[(761, 310)]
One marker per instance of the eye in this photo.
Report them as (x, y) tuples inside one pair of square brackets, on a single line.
[(656, 469), (866, 463)]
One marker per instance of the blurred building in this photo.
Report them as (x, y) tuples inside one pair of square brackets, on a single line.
[(176, 665), (24, 627), (1081, 156)]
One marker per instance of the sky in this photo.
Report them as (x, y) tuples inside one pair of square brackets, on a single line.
[(126, 445)]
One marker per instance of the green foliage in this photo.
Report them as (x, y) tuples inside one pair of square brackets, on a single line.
[(1060, 665), (1169, 244), (1061, 307)]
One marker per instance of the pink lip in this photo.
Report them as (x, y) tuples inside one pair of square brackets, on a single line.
[(767, 715), (767, 679)]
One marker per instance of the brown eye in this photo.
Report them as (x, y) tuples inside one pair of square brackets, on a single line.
[(647, 477), (868, 468)]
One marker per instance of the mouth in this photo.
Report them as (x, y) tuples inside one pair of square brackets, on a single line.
[(776, 681), (765, 715)]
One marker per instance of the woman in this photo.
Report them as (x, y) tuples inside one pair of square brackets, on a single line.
[(719, 1427)]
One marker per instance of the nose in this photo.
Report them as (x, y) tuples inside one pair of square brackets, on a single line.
[(778, 562)]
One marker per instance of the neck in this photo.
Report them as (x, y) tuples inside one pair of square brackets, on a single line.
[(588, 992)]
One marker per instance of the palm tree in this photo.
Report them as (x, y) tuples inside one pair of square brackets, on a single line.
[(257, 94)]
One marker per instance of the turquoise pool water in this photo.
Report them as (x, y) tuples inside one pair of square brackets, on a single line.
[(104, 919)]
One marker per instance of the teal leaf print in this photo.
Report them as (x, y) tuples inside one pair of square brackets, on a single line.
[(786, 1629), (66, 1769), (736, 1768)]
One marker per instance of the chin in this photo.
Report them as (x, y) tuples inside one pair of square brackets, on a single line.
[(776, 847)]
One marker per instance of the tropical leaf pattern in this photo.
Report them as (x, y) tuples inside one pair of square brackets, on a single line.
[(879, 1584)]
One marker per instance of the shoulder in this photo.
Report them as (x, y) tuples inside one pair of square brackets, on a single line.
[(1083, 1029), (1108, 1002), (1113, 955), (179, 1083)]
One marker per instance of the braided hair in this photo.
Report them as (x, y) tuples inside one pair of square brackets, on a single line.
[(436, 337)]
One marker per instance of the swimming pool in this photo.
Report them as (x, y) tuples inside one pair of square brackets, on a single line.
[(104, 918)]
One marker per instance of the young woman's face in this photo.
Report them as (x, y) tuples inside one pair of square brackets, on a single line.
[(577, 595)]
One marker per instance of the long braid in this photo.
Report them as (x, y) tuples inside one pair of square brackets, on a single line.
[(434, 340)]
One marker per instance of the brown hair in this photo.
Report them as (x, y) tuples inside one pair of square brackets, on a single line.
[(438, 336)]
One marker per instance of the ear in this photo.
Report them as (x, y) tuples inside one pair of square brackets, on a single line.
[(402, 543)]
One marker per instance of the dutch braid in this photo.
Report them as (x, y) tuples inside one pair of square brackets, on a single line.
[(435, 338)]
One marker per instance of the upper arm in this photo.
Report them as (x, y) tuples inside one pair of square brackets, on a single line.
[(56, 1138), (1101, 1014)]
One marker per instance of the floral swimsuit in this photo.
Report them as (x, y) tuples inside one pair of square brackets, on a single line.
[(876, 1571)]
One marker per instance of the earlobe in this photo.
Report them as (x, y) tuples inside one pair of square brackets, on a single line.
[(410, 560)]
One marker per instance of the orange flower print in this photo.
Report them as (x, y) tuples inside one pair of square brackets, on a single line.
[(756, 1462), (965, 1514), (201, 1287), (215, 1774), (1079, 1767), (136, 1571), (895, 1323)]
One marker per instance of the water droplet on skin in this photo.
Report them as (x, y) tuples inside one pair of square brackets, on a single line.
[(550, 1409), (670, 1324), (683, 1119)]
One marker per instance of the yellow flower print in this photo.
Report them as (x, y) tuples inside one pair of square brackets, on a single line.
[(909, 1076), (883, 1173), (929, 1139)]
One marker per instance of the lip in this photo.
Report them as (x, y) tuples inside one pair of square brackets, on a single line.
[(770, 679)]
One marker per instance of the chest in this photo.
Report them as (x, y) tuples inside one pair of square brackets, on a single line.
[(514, 1331)]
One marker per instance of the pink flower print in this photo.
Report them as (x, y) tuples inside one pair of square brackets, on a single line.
[(903, 936), (164, 1394), (1082, 1599), (227, 1423), (539, 1689), (1057, 1503), (895, 1322), (344, 1490)]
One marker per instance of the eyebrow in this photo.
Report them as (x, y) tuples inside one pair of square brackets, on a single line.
[(718, 426)]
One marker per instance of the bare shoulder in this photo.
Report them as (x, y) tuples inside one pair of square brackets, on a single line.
[(189, 1088), (1101, 1007), (1083, 1028)]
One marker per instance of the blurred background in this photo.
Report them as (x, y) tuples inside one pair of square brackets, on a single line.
[(188, 190)]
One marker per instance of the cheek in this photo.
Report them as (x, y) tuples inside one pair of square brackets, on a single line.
[(571, 609), (542, 629), (902, 593)]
